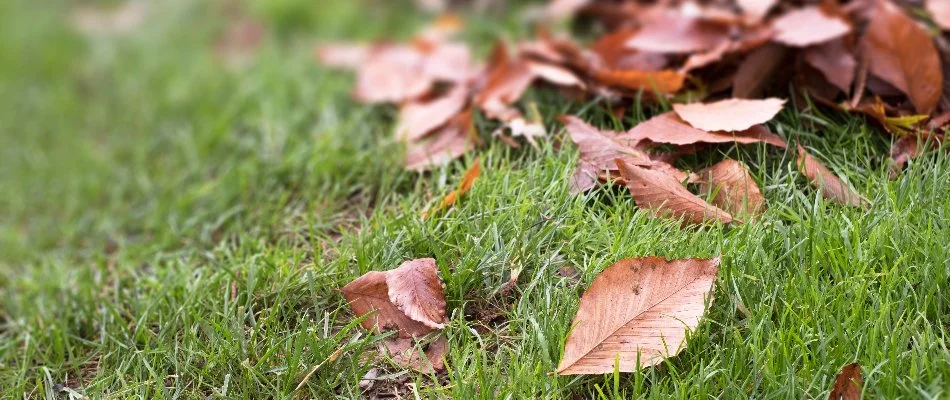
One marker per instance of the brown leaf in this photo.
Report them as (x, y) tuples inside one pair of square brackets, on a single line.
[(831, 187), (755, 73), (909, 147), (669, 128), (445, 144), (468, 180), (736, 191), (834, 61), (940, 12), (848, 383), (665, 81), (808, 26), (392, 74), (416, 119), (598, 150), (505, 85), (554, 74), (405, 352), (750, 39), (638, 308), (902, 54), (408, 299), (665, 196), (756, 9), (676, 33), (729, 115)]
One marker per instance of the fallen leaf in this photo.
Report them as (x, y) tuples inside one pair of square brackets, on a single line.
[(675, 33), (756, 9), (940, 12), (405, 352), (729, 115), (909, 147), (638, 308), (749, 40), (756, 71), (392, 74), (808, 26), (445, 144), (343, 55), (670, 128), (554, 74), (847, 384), (903, 54), (835, 62), (464, 186), (416, 119), (665, 81), (832, 188), (665, 196), (408, 299), (735, 190), (505, 85)]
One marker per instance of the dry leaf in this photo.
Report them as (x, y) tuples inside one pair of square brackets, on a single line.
[(909, 147), (637, 308), (392, 74), (665, 82), (756, 9), (464, 186), (416, 119), (405, 353), (808, 26), (676, 33), (408, 299), (834, 61), (729, 115), (669, 128), (735, 190), (832, 188), (940, 12), (902, 54), (554, 74), (848, 383), (342, 55), (756, 71), (445, 144), (665, 196)]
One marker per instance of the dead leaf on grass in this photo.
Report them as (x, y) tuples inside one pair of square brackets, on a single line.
[(733, 188), (847, 384), (832, 188), (670, 128), (730, 114), (408, 299), (638, 308), (665, 196), (464, 186), (808, 26)]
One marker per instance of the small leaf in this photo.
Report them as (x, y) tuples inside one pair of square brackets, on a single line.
[(638, 308), (831, 187), (670, 128), (405, 352), (808, 26), (729, 115), (848, 383), (667, 197), (443, 145), (464, 186), (417, 118), (735, 190), (664, 82)]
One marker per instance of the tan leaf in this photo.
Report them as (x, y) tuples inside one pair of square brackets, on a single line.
[(756, 9), (677, 33), (406, 353), (832, 188), (730, 114), (445, 144), (598, 150), (408, 299), (638, 308), (847, 384), (665, 81), (940, 11), (834, 61), (735, 190), (554, 74), (343, 55), (665, 196), (669, 128), (464, 186), (808, 26), (416, 119), (903, 54), (392, 74)]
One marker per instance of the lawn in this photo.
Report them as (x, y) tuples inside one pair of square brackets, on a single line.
[(172, 227)]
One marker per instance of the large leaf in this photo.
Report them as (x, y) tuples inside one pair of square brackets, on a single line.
[(665, 196), (729, 115), (670, 128), (808, 26), (416, 119), (903, 54), (638, 308)]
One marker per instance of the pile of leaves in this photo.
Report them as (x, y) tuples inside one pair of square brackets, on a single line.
[(725, 66)]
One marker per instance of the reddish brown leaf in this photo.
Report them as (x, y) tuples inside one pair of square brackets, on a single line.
[(670, 128), (735, 190), (638, 308), (909, 147), (756, 9), (834, 61), (832, 188), (405, 352), (749, 40), (614, 54), (445, 144), (504, 86), (664, 196), (408, 299), (554, 74), (808, 26), (757, 69), (665, 81), (676, 33), (940, 11), (902, 53), (598, 150), (729, 115), (464, 186), (416, 119), (392, 74), (847, 384)]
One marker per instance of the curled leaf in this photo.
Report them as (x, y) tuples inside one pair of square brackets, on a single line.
[(637, 309), (468, 180), (408, 299), (733, 188), (443, 145), (664, 196), (416, 119), (832, 188), (848, 383)]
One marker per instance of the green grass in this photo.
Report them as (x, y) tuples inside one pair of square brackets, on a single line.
[(170, 228)]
